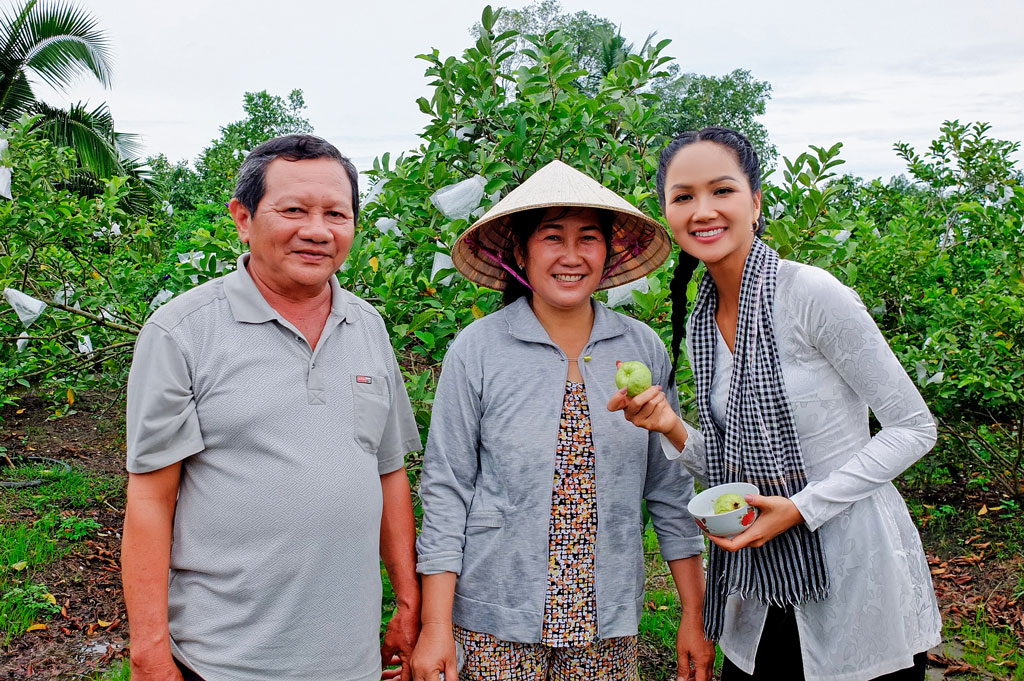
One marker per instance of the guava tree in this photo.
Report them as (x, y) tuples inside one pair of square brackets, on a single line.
[(938, 258), (83, 256), (689, 101), (211, 178), (490, 121)]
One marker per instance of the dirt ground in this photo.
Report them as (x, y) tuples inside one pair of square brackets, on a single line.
[(87, 582)]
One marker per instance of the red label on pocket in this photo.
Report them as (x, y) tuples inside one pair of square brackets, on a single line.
[(364, 379)]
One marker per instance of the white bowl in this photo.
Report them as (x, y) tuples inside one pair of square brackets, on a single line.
[(701, 507)]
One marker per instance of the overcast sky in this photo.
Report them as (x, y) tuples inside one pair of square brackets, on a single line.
[(867, 74)]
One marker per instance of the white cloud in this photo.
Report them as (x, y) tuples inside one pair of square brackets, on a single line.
[(867, 73)]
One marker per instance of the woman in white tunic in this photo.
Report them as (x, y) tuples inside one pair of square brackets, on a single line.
[(831, 581)]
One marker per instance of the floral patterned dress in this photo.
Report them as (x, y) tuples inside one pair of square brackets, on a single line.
[(570, 610), (569, 649)]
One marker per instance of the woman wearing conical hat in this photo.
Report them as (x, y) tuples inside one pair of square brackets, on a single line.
[(531, 549)]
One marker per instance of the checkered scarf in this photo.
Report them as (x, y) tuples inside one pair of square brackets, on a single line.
[(759, 445)]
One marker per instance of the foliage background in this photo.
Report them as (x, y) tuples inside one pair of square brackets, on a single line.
[(935, 254)]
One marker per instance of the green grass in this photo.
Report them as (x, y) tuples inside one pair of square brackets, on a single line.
[(118, 671), (32, 545), (23, 601), (28, 472), (64, 491), (945, 528), (996, 650), (27, 545), (659, 624), (23, 604)]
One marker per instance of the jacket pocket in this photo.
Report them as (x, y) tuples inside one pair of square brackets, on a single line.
[(482, 560), (483, 519), (370, 406)]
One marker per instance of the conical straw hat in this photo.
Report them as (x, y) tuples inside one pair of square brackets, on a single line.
[(639, 243)]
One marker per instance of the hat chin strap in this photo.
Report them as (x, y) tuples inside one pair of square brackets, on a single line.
[(496, 257)]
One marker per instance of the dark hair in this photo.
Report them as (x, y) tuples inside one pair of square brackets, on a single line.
[(749, 163), (523, 224), (251, 183)]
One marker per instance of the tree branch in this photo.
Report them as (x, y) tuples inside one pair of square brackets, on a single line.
[(133, 329), (84, 359)]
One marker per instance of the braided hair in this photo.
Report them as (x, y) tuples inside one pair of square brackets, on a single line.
[(751, 167)]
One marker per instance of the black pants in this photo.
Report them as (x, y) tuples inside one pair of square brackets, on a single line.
[(778, 654), (187, 673)]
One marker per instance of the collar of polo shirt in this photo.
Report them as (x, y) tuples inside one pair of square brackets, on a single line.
[(248, 304)]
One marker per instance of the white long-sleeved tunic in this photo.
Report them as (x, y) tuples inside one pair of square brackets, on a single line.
[(836, 365)]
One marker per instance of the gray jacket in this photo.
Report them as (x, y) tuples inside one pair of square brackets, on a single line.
[(488, 473)]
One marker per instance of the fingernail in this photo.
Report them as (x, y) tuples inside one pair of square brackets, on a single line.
[(660, 389)]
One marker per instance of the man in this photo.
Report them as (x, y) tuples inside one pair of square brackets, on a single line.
[(267, 427)]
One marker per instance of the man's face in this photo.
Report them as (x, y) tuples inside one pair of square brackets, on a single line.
[(303, 227)]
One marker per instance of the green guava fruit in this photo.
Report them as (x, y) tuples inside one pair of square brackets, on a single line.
[(635, 377), (728, 502)]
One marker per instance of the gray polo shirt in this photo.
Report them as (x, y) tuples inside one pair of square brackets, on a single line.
[(275, 569)]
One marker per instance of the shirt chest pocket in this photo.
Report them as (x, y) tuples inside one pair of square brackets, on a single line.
[(371, 402)]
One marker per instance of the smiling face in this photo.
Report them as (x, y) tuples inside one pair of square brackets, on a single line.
[(302, 229), (564, 258), (709, 204)]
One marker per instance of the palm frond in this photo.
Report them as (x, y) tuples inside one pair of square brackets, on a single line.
[(10, 35), (129, 147), (60, 41), (52, 39), (19, 99), (89, 133)]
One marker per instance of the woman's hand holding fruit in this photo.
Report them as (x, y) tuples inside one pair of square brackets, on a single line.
[(651, 410)]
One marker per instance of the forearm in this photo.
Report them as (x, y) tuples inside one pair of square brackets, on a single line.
[(677, 434), (438, 596), (145, 559), (398, 538), (688, 574)]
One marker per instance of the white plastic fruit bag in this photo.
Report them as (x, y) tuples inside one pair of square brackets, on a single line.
[(160, 298), (491, 200), (623, 295), (103, 231), (458, 201), (388, 226), (5, 173), (5, 183), (27, 307), (375, 189), (84, 344), (196, 259), (65, 295), (442, 261)]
